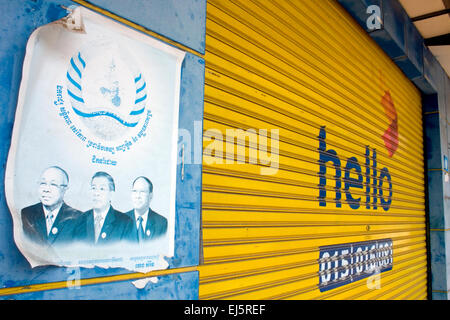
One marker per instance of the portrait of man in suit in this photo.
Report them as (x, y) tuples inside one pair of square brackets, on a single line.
[(51, 221), (147, 224), (103, 224)]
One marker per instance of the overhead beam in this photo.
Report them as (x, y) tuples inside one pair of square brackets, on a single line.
[(442, 40), (431, 15)]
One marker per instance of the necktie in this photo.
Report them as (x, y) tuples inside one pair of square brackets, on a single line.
[(49, 222), (97, 226), (140, 230)]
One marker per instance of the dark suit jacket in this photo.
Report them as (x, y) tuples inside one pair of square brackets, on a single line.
[(156, 225), (116, 227), (34, 224)]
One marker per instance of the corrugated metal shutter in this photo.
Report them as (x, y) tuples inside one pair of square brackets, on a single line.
[(307, 69)]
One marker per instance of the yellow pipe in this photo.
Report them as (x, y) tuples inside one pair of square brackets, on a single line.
[(92, 281)]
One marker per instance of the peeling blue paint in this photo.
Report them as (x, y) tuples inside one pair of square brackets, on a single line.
[(181, 21)]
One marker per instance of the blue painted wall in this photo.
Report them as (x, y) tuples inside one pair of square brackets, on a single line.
[(186, 18), (401, 41), (19, 20)]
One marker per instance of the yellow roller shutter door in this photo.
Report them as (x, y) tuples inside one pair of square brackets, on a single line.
[(338, 129)]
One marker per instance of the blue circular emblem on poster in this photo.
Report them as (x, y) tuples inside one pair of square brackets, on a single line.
[(106, 89)]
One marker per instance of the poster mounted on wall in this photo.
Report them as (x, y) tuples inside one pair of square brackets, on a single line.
[(91, 172)]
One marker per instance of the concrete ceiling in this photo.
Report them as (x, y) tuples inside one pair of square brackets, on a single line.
[(432, 19)]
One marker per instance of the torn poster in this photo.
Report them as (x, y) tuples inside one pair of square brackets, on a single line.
[(91, 172)]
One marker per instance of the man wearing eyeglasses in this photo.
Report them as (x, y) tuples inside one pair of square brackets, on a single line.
[(148, 224), (103, 224), (51, 221)]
